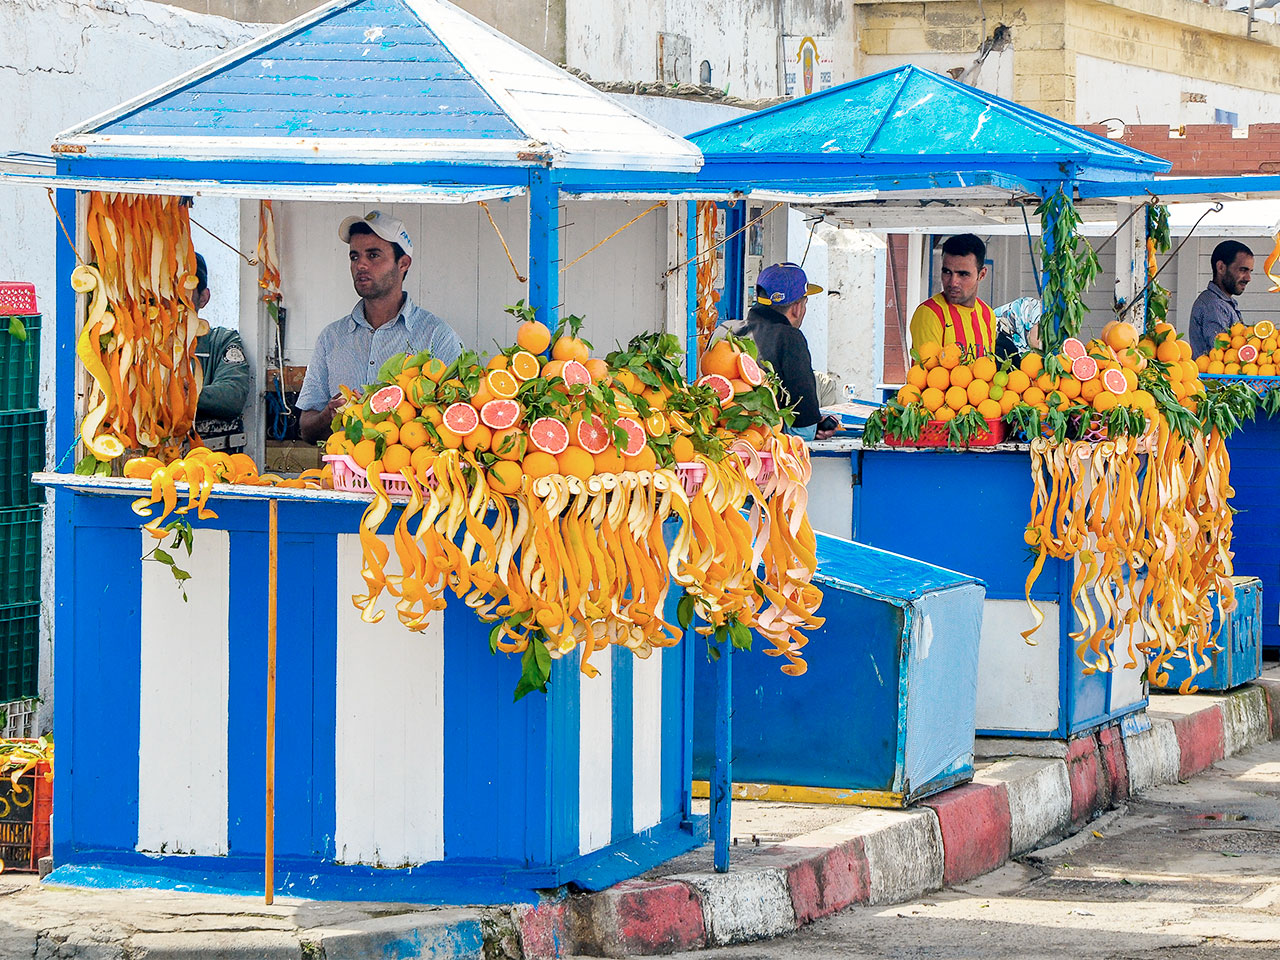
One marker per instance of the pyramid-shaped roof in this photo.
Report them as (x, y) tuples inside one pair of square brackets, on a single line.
[(910, 121), (389, 81)]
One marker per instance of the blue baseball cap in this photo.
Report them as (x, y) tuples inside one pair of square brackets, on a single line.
[(784, 283)]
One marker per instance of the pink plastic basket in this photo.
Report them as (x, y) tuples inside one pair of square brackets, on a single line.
[(17, 298), (691, 476), (348, 477)]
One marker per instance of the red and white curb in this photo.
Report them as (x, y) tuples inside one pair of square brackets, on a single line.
[(888, 856)]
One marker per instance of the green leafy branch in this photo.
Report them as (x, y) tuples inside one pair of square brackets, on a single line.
[(1069, 270), (183, 539)]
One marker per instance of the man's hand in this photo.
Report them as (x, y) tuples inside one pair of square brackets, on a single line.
[(313, 425), (825, 434)]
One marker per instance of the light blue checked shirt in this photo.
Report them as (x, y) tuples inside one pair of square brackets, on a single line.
[(349, 352)]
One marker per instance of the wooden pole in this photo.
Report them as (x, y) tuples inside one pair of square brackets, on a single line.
[(273, 512)]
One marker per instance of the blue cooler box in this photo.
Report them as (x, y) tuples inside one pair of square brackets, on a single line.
[(1240, 659)]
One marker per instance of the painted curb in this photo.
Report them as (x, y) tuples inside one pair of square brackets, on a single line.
[(887, 856), (449, 935)]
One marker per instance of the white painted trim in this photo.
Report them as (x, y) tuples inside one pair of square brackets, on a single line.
[(183, 705), (595, 752), (646, 740), (380, 150)]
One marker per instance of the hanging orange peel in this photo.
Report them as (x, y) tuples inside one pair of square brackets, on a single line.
[(1272, 258), (1148, 523)]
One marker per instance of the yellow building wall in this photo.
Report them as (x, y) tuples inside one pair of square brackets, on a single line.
[(1182, 37)]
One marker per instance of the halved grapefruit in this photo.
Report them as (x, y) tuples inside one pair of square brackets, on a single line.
[(721, 385), (1114, 381), (549, 435), (1084, 368), (500, 414), (385, 400), (749, 370), (1073, 349), (636, 436), (1248, 353), (592, 435), (573, 372), (461, 418)]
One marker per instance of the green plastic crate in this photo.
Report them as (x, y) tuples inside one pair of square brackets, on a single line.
[(19, 555), (19, 651), (21, 454), (20, 365)]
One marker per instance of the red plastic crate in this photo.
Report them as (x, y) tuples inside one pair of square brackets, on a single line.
[(23, 840), (17, 298), (936, 432)]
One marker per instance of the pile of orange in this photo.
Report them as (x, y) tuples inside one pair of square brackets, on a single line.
[(1251, 351), (1102, 374)]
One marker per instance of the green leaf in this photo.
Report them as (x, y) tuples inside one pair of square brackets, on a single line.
[(17, 329), (87, 467), (740, 635), (392, 368), (684, 611), (162, 556), (535, 664), (494, 633)]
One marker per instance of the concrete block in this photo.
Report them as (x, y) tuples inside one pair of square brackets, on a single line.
[(638, 917), (1111, 751), (1271, 689), (1152, 756), (975, 824), (543, 929), (1039, 800), (441, 934), (1090, 793), (904, 853), (825, 884), (1246, 720), (219, 945), (1199, 740), (1000, 748), (745, 906)]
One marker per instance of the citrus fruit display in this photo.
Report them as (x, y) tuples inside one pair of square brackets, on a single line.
[(1248, 350), (137, 340), (539, 489)]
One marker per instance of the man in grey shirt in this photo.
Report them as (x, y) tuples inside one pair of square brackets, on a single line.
[(1216, 309), (386, 321)]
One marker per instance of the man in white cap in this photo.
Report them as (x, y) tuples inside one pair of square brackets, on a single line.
[(386, 321)]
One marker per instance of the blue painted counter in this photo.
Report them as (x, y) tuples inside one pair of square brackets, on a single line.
[(968, 512), (1255, 537), (404, 770), (1240, 638), (884, 714)]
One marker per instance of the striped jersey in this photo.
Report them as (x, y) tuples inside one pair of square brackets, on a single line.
[(972, 328)]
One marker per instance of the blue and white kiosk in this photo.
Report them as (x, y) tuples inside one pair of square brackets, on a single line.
[(403, 770)]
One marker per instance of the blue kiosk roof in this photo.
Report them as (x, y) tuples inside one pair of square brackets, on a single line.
[(909, 129), (381, 83)]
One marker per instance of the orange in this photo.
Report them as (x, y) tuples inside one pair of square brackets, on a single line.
[(421, 459), (631, 383), (364, 453), (334, 445), (1202, 363), (1231, 369), (1105, 401), (918, 377), (1018, 381), (434, 369), (576, 462), (1031, 365), (984, 368), (478, 439), (433, 415), (1008, 401), (978, 391), (1069, 387), (552, 368), (1215, 368), (646, 459), (681, 449), (939, 378), (482, 396), (956, 397), (538, 464), (1168, 351), (610, 460), (908, 394), (448, 439), (721, 359), (405, 412), (509, 444), (961, 376), (524, 365), (502, 384), (944, 414), (497, 362), (570, 348), (533, 336), (396, 457), (1033, 396), (1266, 370), (1047, 383), (387, 428), (597, 368), (1249, 369), (928, 353), (414, 434), (932, 398), (1130, 378), (504, 476), (1120, 335), (990, 409), (1090, 389), (950, 356)]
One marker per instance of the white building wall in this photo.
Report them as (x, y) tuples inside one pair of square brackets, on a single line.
[(1106, 89), (64, 61), (740, 39), (994, 76)]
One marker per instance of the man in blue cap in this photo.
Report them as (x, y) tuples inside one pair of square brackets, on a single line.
[(773, 322)]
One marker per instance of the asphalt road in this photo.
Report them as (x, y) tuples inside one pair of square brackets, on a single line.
[(1190, 871)]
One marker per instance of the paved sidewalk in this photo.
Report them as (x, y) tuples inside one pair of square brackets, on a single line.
[(793, 863)]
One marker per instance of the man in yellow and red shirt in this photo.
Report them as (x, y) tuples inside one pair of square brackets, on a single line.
[(956, 315)]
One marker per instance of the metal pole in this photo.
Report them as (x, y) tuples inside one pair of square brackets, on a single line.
[(273, 511), (722, 771)]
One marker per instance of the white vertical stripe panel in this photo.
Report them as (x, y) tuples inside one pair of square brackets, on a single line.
[(390, 728), (595, 754), (182, 721), (646, 742)]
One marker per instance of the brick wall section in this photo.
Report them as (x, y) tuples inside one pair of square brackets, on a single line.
[(1208, 149), (897, 312)]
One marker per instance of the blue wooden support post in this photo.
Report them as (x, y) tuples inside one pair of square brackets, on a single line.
[(691, 290), (722, 771), (544, 247)]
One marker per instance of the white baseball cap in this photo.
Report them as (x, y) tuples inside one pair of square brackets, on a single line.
[(387, 227)]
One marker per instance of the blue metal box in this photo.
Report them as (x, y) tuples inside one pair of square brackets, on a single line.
[(1240, 659), (884, 714)]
